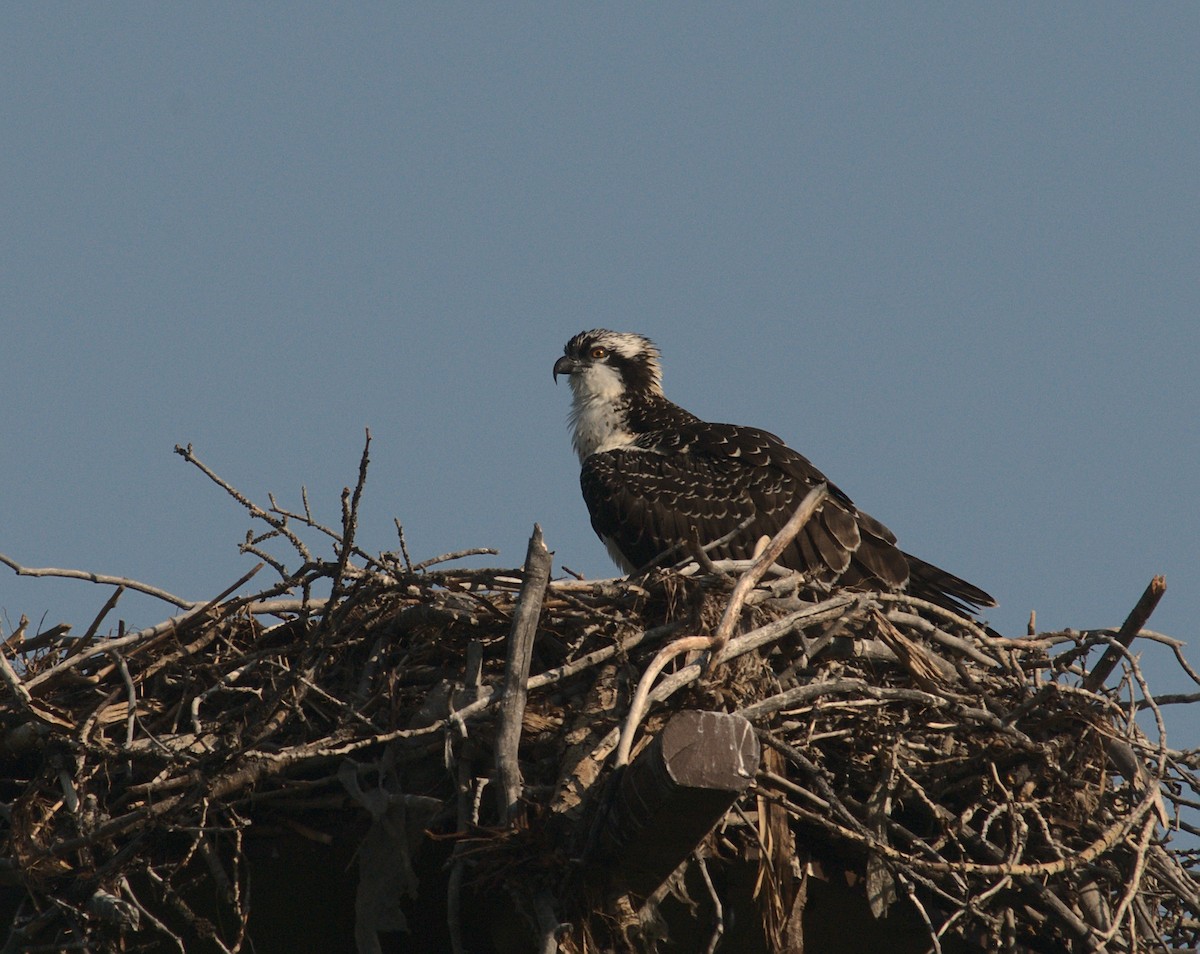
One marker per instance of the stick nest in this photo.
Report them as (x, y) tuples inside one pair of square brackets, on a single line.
[(985, 782)]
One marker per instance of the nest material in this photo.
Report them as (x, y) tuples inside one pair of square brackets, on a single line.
[(992, 786)]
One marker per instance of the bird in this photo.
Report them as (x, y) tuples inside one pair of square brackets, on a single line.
[(655, 476)]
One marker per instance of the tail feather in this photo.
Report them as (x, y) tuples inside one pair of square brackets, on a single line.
[(936, 585)]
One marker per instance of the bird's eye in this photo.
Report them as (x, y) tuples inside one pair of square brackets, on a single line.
[(598, 353)]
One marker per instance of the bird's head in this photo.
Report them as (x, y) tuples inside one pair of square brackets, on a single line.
[(607, 365)]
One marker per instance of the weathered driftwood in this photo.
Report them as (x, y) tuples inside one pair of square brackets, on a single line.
[(963, 790), (516, 674)]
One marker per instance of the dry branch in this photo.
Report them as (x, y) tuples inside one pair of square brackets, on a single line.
[(103, 579), (516, 674), (1129, 629)]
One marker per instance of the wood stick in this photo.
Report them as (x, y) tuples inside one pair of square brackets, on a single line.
[(279, 524), (465, 772), (101, 578), (1125, 635), (516, 674), (10, 678), (82, 643)]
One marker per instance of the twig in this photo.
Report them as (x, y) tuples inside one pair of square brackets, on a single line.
[(232, 588), (131, 696), (755, 639), (408, 564), (15, 686), (266, 517), (1183, 664), (472, 682), (780, 542), (142, 636), (698, 553), (1169, 699), (946, 639), (1001, 645), (451, 556), (682, 546), (102, 578), (350, 502), (718, 909), (83, 641), (308, 520), (16, 640), (150, 918), (915, 900)]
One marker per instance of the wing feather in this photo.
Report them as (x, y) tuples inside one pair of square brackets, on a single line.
[(645, 501)]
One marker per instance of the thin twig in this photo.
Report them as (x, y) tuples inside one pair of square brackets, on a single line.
[(102, 578), (451, 556), (86, 638), (255, 510), (404, 547), (773, 550), (718, 909)]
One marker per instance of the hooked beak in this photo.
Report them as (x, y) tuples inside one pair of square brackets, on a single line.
[(565, 365)]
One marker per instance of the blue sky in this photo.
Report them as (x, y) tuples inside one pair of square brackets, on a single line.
[(949, 252)]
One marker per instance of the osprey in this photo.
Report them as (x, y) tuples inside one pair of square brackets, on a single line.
[(655, 476)]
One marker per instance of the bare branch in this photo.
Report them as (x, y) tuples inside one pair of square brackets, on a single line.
[(451, 556), (255, 511), (101, 578), (516, 674), (1128, 632)]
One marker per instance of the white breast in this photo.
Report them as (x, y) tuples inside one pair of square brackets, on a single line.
[(597, 416)]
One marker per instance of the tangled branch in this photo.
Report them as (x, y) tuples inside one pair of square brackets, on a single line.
[(1003, 789)]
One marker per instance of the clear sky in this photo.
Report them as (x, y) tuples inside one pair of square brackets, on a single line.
[(949, 252)]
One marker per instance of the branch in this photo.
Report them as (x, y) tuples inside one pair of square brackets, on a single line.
[(516, 674), (175, 623), (1127, 633), (350, 502), (101, 578), (453, 555), (255, 510)]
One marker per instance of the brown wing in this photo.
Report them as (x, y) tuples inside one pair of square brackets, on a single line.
[(724, 479), (717, 477)]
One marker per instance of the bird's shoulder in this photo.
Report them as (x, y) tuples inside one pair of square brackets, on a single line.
[(736, 446), (751, 445)]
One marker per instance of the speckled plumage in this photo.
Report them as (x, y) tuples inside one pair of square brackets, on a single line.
[(652, 471)]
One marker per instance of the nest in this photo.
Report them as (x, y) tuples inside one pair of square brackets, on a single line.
[(459, 728)]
